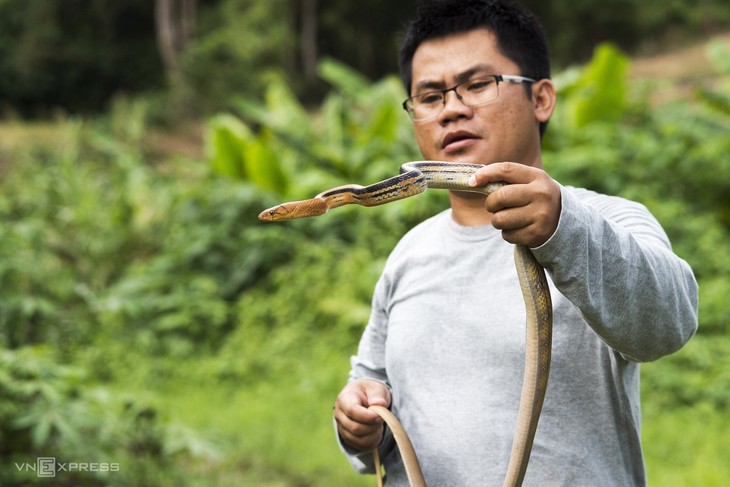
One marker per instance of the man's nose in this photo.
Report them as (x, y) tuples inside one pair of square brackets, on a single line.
[(454, 106)]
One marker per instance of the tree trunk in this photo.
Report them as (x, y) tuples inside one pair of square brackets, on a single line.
[(175, 23), (309, 37)]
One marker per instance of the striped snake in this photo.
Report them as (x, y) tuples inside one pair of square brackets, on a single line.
[(415, 178)]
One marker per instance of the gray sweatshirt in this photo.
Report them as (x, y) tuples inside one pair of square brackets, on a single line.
[(447, 335)]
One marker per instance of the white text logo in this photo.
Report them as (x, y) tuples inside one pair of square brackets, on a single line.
[(49, 467)]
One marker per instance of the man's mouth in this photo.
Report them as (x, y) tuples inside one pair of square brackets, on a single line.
[(459, 140)]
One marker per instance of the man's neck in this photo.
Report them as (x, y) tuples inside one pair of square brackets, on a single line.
[(468, 209)]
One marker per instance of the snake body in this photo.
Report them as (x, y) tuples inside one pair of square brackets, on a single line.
[(415, 178)]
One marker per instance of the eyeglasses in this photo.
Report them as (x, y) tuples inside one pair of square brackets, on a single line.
[(474, 92)]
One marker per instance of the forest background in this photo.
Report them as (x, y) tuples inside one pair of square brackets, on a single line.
[(153, 330)]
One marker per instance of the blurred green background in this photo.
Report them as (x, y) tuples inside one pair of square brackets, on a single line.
[(149, 321)]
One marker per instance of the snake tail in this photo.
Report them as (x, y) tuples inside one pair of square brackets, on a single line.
[(538, 348), (405, 447)]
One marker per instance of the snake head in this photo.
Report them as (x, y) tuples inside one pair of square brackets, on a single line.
[(273, 214), (295, 209)]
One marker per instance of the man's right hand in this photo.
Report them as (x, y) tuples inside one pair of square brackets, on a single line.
[(359, 427)]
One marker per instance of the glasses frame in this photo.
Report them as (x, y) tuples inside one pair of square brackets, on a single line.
[(498, 78)]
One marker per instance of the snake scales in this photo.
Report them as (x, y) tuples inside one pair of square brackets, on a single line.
[(415, 178)]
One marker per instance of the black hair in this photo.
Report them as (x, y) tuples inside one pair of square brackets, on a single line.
[(520, 36)]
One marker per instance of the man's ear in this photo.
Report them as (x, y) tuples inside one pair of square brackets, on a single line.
[(544, 98)]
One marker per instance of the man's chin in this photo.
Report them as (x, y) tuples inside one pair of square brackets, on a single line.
[(465, 160)]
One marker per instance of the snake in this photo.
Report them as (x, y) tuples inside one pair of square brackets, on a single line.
[(414, 178)]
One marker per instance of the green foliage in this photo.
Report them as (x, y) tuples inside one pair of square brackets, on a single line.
[(599, 92), (323, 293), (673, 158), (686, 447), (209, 250), (46, 410), (357, 134), (140, 295), (241, 43), (591, 24), (101, 240), (719, 53), (56, 250), (698, 377), (51, 48), (234, 152)]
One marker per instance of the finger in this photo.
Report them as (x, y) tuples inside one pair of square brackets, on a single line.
[(510, 196), (357, 429), (521, 227), (366, 392), (376, 393), (354, 407), (362, 439), (358, 395), (511, 219), (509, 172)]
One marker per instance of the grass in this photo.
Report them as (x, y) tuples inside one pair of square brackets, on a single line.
[(53, 133), (687, 447), (686, 435), (276, 431), (272, 432)]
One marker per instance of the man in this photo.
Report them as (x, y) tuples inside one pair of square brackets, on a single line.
[(444, 345)]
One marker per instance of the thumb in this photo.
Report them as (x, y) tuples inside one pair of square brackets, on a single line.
[(376, 393)]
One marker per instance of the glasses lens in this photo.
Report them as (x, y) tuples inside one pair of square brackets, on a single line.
[(480, 91), (426, 106), (474, 92)]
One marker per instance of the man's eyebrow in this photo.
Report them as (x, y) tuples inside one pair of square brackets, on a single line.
[(471, 72), (427, 85)]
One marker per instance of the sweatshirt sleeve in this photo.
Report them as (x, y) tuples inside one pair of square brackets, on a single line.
[(369, 363), (613, 261)]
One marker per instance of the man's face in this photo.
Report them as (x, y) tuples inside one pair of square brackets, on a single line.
[(504, 130)]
